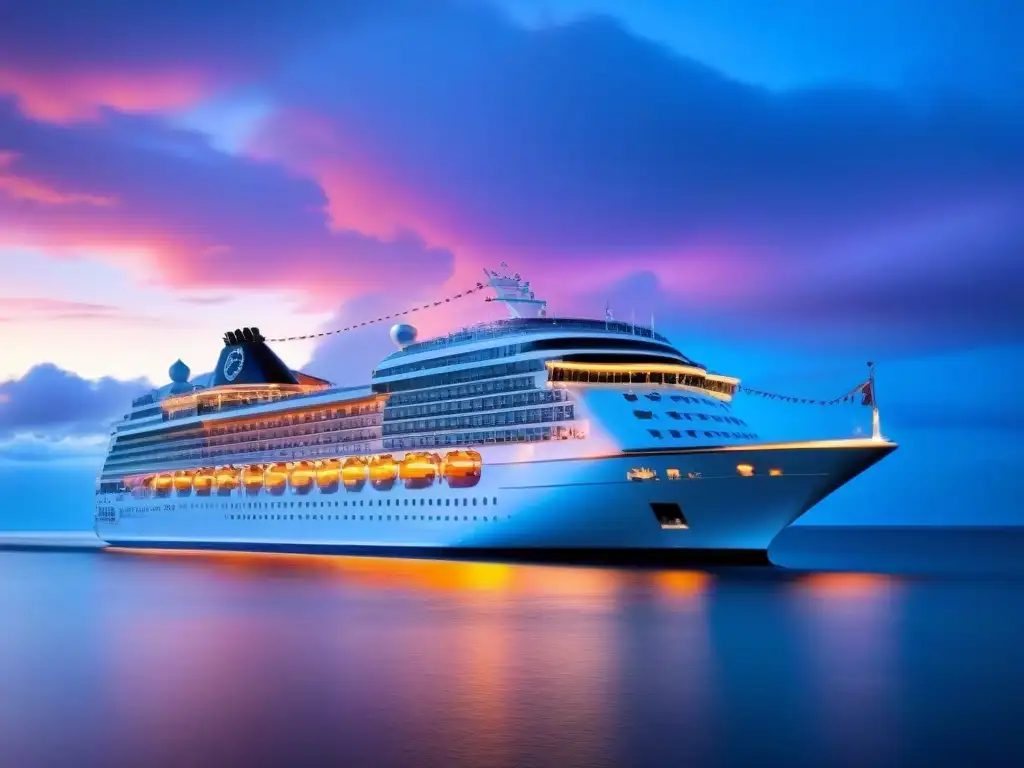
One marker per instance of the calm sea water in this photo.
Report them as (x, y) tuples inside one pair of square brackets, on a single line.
[(150, 659)]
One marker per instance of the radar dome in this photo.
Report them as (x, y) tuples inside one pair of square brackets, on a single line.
[(403, 335), (179, 372)]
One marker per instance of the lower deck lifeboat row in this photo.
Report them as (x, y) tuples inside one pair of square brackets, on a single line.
[(459, 469)]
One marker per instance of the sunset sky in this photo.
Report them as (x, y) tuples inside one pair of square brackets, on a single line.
[(791, 188)]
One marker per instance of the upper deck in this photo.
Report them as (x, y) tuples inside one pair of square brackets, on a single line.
[(500, 329)]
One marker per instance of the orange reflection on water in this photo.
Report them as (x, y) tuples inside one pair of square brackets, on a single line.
[(682, 583), (847, 584), (852, 623), (589, 587)]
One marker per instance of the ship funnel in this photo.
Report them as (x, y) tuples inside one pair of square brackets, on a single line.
[(246, 359)]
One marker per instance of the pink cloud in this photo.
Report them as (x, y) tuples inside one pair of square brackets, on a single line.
[(35, 191), (190, 216), (80, 96)]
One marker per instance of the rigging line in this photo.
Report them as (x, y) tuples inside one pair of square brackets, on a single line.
[(846, 398), (393, 316)]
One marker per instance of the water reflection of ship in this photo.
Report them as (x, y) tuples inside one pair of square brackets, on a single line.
[(588, 585)]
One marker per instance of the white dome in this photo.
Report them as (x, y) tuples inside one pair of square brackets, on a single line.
[(403, 335)]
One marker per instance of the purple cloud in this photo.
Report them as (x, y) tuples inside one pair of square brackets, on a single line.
[(56, 403), (203, 218), (580, 148)]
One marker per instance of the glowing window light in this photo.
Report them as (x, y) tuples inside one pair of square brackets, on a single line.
[(672, 474), (775, 472), (745, 470)]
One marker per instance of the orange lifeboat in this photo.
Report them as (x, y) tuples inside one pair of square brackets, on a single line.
[(134, 484), (383, 472), (252, 478), (275, 478), (303, 476), (162, 483), (419, 470), (353, 473), (462, 468), (226, 478), (203, 481), (328, 475), (183, 481)]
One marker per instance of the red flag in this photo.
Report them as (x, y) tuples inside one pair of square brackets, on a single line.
[(869, 394)]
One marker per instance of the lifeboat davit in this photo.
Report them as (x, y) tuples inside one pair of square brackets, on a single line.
[(383, 472), (226, 478), (303, 476), (462, 468), (183, 481), (146, 486), (328, 475), (353, 473), (419, 470), (252, 478), (162, 483), (275, 478), (203, 481)]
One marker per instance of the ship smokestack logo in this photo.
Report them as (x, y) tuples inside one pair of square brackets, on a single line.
[(233, 363)]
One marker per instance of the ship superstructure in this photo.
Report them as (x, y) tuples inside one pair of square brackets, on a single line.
[(533, 434)]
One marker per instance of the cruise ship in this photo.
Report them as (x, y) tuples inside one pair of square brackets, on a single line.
[(536, 436)]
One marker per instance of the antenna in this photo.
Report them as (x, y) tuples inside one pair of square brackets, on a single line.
[(515, 293)]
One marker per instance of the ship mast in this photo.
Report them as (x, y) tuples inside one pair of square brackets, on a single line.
[(515, 293), (876, 422)]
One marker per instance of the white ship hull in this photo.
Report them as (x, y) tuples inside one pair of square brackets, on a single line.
[(569, 506)]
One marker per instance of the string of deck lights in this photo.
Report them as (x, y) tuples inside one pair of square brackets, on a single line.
[(393, 316)]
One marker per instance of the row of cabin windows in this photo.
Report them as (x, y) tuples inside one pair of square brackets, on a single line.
[(535, 325), (442, 394), (523, 435), (637, 376), (340, 417), (460, 377), (656, 396), (274, 439), (600, 376), (380, 518), (146, 412), (646, 415), (233, 456), (385, 502), (490, 353), (534, 397), (174, 452), (488, 419), (542, 345), (422, 502), (707, 433)]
